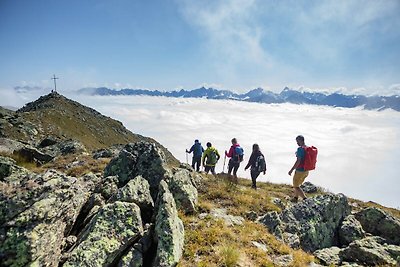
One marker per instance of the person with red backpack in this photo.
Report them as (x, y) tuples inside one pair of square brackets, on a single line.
[(306, 158), (236, 156)]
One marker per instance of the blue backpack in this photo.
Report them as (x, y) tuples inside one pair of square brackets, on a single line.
[(238, 154)]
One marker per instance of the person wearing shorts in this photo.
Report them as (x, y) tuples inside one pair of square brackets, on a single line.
[(300, 174), (210, 159)]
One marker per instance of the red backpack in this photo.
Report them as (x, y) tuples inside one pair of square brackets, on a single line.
[(310, 159)]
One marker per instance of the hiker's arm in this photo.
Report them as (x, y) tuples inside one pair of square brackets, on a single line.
[(229, 154), (203, 159), (250, 162), (296, 164)]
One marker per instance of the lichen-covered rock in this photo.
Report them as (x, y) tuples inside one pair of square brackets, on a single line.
[(350, 230), (141, 158), (34, 233), (134, 258), (169, 229), (114, 228), (308, 187), (181, 186), (230, 220), (371, 251), (137, 191), (109, 187), (314, 221), (380, 223), (329, 256)]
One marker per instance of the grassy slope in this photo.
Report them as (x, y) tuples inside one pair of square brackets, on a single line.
[(210, 242)]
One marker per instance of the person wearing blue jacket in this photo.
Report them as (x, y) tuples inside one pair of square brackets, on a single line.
[(197, 150)]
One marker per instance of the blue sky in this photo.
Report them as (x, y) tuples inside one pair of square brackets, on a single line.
[(233, 44)]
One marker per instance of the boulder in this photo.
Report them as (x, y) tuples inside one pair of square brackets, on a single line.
[(229, 220), (371, 251), (314, 221), (380, 223), (169, 231), (350, 230), (103, 153), (308, 187), (48, 141), (32, 154), (137, 191), (141, 158), (184, 192), (112, 230), (329, 256), (44, 210), (109, 187)]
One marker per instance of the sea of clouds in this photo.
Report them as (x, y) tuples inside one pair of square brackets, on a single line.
[(358, 149)]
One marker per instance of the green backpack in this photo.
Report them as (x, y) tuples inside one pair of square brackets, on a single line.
[(212, 158)]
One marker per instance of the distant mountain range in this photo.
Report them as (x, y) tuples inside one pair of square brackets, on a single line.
[(261, 96)]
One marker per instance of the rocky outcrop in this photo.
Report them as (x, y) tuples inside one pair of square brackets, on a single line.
[(142, 158), (308, 187), (169, 229), (312, 224), (350, 230), (52, 219), (137, 191), (329, 256), (371, 251), (115, 228), (38, 215), (181, 186), (380, 223)]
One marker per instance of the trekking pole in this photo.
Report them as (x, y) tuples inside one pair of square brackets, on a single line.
[(223, 168), (187, 161)]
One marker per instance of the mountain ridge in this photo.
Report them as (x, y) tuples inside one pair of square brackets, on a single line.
[(259, 95)]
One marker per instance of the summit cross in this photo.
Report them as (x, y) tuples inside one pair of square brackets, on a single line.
[(55, 84)]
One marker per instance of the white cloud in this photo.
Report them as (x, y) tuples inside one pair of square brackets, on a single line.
[(358, 149)]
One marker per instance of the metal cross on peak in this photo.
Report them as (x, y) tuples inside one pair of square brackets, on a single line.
[(55, 84)]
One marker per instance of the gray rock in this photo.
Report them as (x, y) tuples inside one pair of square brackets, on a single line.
[(43, 211), (32, 154), (308, 187), (328, 256), (284, 260), (109, 187), (251, 215), (229, 220), (350, 230), (315, 221), (134, 258), (378, 222), (181, 186), (103, 153), (371, 251), (48, 141), (141, 158), (260, 246), (115, 228), (169, 229), (137, 191)]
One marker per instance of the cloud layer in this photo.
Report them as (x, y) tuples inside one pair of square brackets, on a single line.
[(358, 149)]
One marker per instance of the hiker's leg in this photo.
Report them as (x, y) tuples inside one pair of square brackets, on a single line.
[(235, 169), (193, 162), (254, 175), (298, 179), (213, 171), (198, 162)]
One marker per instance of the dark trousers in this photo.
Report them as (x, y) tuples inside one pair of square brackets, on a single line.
[(233, 165), (254, 174), (196, 161)]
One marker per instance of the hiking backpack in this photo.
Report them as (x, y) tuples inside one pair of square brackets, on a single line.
[(260, 164), (212, 158), (238, 154), (310, 158)]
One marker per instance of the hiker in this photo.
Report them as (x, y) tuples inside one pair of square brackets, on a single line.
[(212, 156), (300, 173), (236, 156), (257, 164), (197, 150)]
